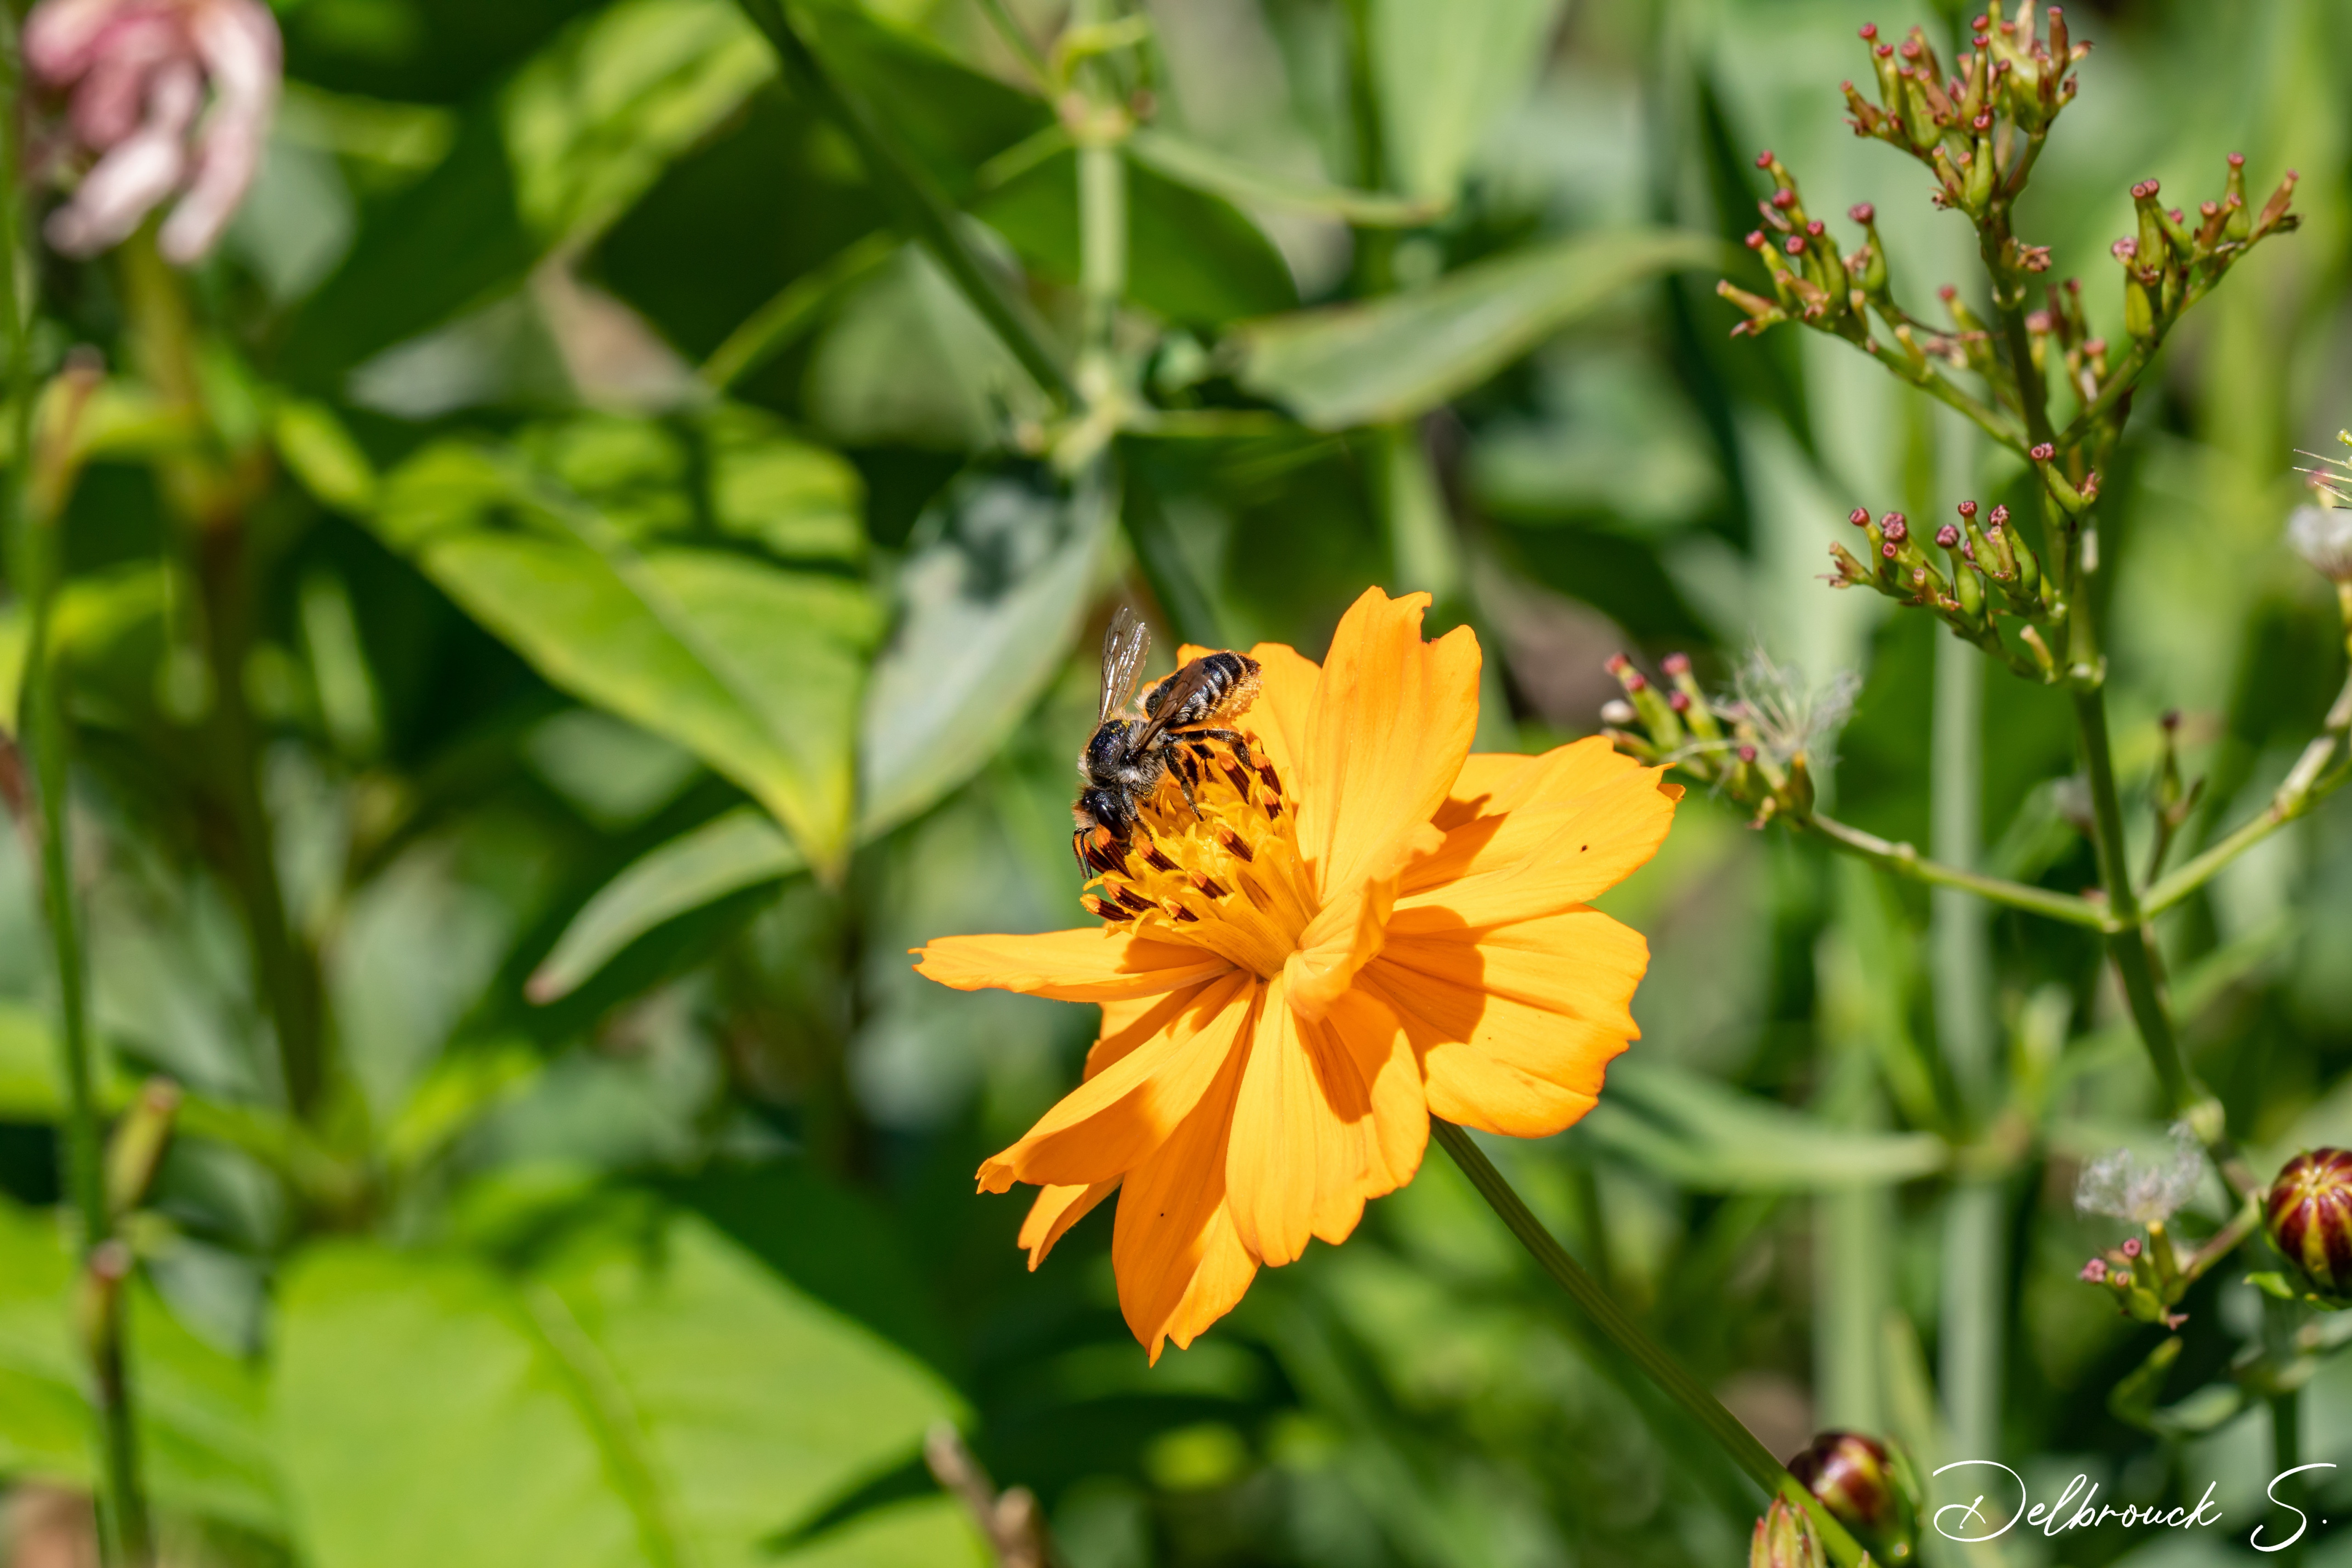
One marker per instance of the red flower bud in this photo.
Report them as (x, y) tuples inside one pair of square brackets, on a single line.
[(1968, 508), (2237, 160), (1764, 159), (1754, 239), (1862, 211), (1617, 663), (2042, 453), (1866, 1488), (1675, 664), (1859, 517), (2310, 1219), (1784, 198), (1947, 536), (1793, 246), (1870, 31), (1896, 526)]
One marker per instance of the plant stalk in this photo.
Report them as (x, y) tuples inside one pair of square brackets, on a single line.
[(1904, 860), (1662, 1369), (123, 1534)]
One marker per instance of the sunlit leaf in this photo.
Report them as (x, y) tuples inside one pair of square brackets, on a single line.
[(1404, 355), (646, 1394), (724, 856), (755, 668)]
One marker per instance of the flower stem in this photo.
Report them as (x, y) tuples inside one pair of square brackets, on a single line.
[(1736, 1441), (122, 1512), (1904, 860)]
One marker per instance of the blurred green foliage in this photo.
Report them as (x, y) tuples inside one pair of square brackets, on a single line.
[(654, 606)]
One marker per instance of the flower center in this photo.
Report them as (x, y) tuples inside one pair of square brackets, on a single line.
[(1228, 878)]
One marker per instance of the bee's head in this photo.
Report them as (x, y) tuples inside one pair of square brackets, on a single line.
[(1106, 808)]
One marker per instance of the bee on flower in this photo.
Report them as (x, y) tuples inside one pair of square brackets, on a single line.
[(1305, 956)]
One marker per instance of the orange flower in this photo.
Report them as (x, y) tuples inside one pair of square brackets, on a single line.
[(1372, 928)]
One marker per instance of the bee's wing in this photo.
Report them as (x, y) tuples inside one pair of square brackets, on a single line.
[(1175, 693), (1124, 644)]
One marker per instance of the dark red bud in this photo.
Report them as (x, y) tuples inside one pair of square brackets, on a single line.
[(1896, 526), (1675, 664), (1947, 536), (1887, 550), (1784, 199), (2042, 453), (1747, 753), (1864, 1488), (1910, 48), (1859, 517), (2131, 1247), (2096, 1271), (1617, 663), (2310, 1219), (1968, 508), (1870, 31), (1764, 159), (1999, 516), (1754, 239), (2154, 186), (1862, 211), (1816, 229), (1793, 246), (1678, 701), (2175, 214), (1948, 293), (1637, 681), (1884, 50)]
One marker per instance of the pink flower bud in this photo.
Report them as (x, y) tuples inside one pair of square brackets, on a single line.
[(1896, 526), (1637, 681), (1754, 239), (1678, 701), (1870, 32), (1968, 508), (2042, 453), (1862, 211), (2125, 249), (1676, 665), (1859, 517), (2237, 160), (2096, 1271), (1617, 663), (1764, 159), (1793, 246), (137, 76), (1947, 536), (2131, 1247), (1999, 515), (1784, 199)]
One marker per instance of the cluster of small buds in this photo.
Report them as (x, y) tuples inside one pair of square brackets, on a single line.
[(2145, 1276), (1987, 571), (1867, 1486), (1758, 744), (2010, 83), (2309, 1215), (1812, 282), (2174, 257)]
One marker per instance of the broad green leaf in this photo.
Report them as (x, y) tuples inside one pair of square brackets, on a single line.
[(592, 122), (1445, 73), (756, 669), (202, 1432), (926, 1532), (1204, 168), (1404, 355), (647, 1394), (987, 618), (1191, 256), (726, 855), (1700, 1134)]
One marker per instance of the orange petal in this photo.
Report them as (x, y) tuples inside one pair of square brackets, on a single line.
[(1492, 1062), (1304, 1151), (1094, 964), (1109, 1123), (1168, 1210), (1390, 725), (1219, 1278), (1595, 842), (1577, 964), (1503, 807), (1370, 1032), (1055, 1212)]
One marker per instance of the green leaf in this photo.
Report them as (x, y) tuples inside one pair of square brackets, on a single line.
[(1700, 1134), (1206, 169), (1404, 355), (199, 1410), (724, 856), (1445, 73), (1192, 255), (647, 1393), (756, 669), (988, 616), (592, 121)]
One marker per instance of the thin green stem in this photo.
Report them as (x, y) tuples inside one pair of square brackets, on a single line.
[(2286, 1453), (123, 1536), (1016, 39), (927, 216), (1904, 860), (1752, 1457)]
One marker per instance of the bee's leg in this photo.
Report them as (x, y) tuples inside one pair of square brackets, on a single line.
[(1186, 786), (1231, 738), (1078, 848)]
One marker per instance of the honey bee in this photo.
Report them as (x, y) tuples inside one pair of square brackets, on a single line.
[(1126, 757)]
